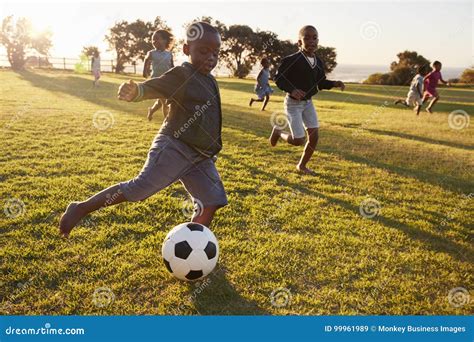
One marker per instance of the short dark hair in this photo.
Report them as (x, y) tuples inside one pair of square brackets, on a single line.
[(304, 28), (420, 69), (196, 30), (167, 35), (436, 63), (264, 59)]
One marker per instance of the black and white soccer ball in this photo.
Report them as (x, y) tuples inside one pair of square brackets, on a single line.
[(190, 251)]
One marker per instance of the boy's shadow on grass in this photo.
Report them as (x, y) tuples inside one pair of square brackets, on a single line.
[(407, 136), (215, 295), (259, 127), (435, 242), (105, 95)]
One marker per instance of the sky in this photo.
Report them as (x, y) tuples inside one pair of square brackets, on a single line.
[(363, 32)]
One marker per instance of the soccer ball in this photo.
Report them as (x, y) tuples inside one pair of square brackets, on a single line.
[(190, 251)]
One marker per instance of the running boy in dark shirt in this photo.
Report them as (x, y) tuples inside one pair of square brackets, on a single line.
[(301, 75), (189, 139)]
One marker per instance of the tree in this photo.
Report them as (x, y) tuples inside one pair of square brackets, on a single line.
[(402, 71), (220, 26), (18, 38), (409, 59), (239, 53), (132, 40), (268, 44), (467, 76), (90, 51), (328, 56)]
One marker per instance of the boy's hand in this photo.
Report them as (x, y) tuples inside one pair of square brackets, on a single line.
[(297, 94), (340, 84), (128, 91)]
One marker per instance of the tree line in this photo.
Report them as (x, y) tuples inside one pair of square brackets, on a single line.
[(242, 46)]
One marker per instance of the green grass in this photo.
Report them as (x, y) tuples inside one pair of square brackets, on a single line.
[(280, 230)]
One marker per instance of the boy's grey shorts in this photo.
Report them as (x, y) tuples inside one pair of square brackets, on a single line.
[(170, 160)]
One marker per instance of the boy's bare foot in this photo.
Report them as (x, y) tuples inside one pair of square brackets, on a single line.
[(251, 102), (274, 136), (417, 109), (429, 110), (150, 114), (69, 219), (305, 170)]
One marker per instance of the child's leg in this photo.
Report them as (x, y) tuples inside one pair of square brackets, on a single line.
[(432, 103), (164, 165), (77, 210), (252, 100), (204, 184), (153, 109), (205, 216), (402, 101), (310, 119), (294, 111), (267, 97), (313, 136)]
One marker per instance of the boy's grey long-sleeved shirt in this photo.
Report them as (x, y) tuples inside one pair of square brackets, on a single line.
[(195, 115)]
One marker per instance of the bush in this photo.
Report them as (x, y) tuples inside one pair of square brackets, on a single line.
[(467, 76), (377, 78)]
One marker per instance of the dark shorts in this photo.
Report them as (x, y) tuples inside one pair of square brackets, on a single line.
[(170, 160)]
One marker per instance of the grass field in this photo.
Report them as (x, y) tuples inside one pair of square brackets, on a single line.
[(301, 238)]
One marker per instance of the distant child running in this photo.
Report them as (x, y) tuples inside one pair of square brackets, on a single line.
[(262, 88), (95, 67), (160, 60), (431, 82), (301, 75), (185, 147), (415, 94)]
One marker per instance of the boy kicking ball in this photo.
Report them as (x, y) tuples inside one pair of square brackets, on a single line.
[(301, 75), (415, 94), (187, 142)]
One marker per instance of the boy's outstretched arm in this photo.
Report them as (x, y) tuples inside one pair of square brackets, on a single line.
[(327, 84), (445, 82), (128, 91), (166, 86)]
